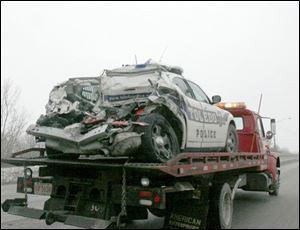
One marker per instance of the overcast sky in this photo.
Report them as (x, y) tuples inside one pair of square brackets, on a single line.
[(235, 49)]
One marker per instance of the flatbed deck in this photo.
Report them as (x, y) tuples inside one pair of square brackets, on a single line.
[(184, 164)]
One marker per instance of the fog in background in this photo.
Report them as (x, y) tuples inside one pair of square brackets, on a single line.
[(235, 49)]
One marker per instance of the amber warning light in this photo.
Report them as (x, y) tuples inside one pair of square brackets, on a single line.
[(231, 105)]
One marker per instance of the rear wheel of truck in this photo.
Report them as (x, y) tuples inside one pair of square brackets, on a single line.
[(159, 141), (54, 154), (274, 191), (232, 141), (221, 207)]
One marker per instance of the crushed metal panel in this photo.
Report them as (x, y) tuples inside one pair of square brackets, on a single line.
[(73, 95), (116, 89), (126, 143)]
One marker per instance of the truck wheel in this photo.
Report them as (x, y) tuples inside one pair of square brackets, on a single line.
[(50, 218), (275, 188), (54, 154), (221, 207), (232, 141), (159, 141)]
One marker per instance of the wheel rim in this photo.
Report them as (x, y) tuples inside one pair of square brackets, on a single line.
[(162, 143), (226, 209), (231, 142)]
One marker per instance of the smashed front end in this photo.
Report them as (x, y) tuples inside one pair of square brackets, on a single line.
[(91, 116)]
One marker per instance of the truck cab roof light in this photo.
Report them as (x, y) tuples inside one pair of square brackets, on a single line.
[(231, 105)]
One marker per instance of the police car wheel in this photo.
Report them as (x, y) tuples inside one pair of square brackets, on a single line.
[(159, 141), (232, 142)]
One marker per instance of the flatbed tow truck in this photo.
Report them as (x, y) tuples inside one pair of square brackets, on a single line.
[(194, 190)]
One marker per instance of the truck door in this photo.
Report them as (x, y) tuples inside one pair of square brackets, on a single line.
[(214, 133), (194, 118)]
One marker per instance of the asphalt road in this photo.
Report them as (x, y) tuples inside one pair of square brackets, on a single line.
[(252, 210)]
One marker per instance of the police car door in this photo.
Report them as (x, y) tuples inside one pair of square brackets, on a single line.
[(213, 134), (192, 109)]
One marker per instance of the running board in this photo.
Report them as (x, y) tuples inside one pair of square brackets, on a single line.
[(87, 222), (14, 207), (27, 212)]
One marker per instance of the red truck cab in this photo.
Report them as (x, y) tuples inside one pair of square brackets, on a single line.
[(249, 125), (251, 134)]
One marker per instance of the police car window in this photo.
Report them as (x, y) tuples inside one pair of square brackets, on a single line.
[(183, 86), (239, 123), (198, 92)]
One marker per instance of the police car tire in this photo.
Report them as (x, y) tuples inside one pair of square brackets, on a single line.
[(148, 151), (232, 133)]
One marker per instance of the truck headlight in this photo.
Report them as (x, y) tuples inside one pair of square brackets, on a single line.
[(145, 181), (28, 173)]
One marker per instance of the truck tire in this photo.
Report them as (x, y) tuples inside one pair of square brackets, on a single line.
[(221, 207), (232, 141), (274, 191), (159, 141), (54, 154)]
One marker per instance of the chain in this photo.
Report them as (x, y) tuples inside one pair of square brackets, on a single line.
[(123, 199), (25, 186)]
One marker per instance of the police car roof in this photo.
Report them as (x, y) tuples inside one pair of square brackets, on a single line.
[(147, 67)]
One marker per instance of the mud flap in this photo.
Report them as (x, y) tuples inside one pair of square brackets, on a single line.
[(187, 214), (86, 222)]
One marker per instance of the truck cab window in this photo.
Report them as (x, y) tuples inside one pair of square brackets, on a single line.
[(260, 127), (239, 122)]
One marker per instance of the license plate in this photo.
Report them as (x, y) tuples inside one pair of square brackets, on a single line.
[(42, 188)]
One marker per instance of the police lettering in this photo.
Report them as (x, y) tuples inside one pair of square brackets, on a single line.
[(205, 133)]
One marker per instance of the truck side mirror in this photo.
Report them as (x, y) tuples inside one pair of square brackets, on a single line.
[(273, 126), (269, 135), (216, 99)]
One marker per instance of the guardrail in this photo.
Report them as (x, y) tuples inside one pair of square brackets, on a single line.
[(286, 159)]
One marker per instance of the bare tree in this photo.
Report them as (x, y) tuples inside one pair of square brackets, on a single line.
[(13, 119)]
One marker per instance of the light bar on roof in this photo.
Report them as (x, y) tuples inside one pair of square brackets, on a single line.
[(231, 105)]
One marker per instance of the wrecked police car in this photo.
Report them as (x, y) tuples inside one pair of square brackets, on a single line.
[(147, 111)]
